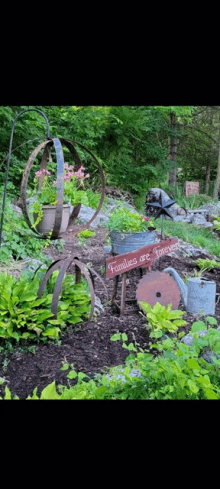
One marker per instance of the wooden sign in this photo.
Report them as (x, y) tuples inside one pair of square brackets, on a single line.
[(192, 188), (143, 257), (121, 264)]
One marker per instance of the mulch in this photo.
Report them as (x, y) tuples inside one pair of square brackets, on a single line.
[(88, 346)]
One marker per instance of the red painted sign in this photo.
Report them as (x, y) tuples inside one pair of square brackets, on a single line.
[(143, 257)]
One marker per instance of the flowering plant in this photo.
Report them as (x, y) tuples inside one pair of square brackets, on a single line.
[(127, 221), (73, 186)]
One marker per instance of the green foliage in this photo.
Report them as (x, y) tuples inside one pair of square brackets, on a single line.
[(207, 264), (86, 233), (177, 373), (162, 319), (18, 241), (127, 221), (24, 316), (216, 224), (191, 234)]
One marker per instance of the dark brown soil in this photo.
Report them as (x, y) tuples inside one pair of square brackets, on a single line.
[(88, 347)]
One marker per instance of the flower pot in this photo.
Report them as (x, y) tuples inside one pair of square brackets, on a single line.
[(126, 242), (47, 222)]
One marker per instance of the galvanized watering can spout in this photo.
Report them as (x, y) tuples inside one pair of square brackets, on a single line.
[(183, 288)]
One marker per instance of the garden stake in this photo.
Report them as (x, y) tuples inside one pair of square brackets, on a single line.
[(9, 159)]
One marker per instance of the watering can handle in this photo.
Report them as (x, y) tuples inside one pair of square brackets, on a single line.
[(217, 299)]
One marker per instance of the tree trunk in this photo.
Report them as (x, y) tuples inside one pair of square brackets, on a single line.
[(207, 178), (173, 150), (217, 181)]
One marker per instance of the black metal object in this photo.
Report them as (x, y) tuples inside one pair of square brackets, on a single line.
[(9, 158), (80, 268), (162, 206)]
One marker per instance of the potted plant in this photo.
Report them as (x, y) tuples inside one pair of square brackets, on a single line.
[(129, 231), (44, 208)]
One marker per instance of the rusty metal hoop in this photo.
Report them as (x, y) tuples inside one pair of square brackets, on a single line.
[(64, 264), (60, 183)]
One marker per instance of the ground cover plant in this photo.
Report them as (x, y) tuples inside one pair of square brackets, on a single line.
[(192, 234), (24, 316), (18, 240), (88, 355), (177, 373)]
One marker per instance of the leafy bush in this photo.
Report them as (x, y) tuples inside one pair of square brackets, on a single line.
[(161, 319), (24, 316), (18, 241), (86, 233), (127, 221), (207, 264)]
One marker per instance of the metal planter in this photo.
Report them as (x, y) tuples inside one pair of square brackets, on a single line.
[(46, 224), (126, 242)]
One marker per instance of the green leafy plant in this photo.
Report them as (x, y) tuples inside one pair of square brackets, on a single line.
[(216, 224), (127, 221), (122, 336), (74, 191), (162, 319), (176, 374), (86, 233), (24, 316), (207, 264), (18, 241)]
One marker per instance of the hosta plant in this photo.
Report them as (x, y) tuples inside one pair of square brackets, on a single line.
[(162, 319), (24, 316)]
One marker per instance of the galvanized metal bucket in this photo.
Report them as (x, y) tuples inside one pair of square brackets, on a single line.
[(126, 242)]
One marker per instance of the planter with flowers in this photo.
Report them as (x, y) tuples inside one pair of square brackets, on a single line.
[(44, 208), (129, 231)]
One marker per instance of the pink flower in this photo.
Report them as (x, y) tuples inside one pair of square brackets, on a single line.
[(66, 166), (87, 175), (42, 172)]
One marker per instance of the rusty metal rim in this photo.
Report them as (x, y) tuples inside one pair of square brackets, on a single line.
[(64, 263), (60, 182)]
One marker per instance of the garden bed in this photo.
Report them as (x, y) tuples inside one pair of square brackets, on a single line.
[(88, 346)]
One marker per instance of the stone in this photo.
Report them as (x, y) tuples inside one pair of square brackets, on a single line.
[(98, 306), (207, 356), (133, 373), (86, 214), (15, 208), (107, 249), (32, 264), (198, 219), (187, 339)]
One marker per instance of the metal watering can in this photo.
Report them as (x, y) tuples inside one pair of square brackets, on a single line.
[(199, 296)]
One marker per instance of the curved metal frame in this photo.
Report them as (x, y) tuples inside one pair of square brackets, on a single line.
[(64, 264), (60, 184)]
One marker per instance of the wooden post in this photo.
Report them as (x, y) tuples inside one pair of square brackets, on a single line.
[(123, 292)]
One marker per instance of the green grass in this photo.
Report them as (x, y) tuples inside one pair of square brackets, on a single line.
[(192, 234)]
